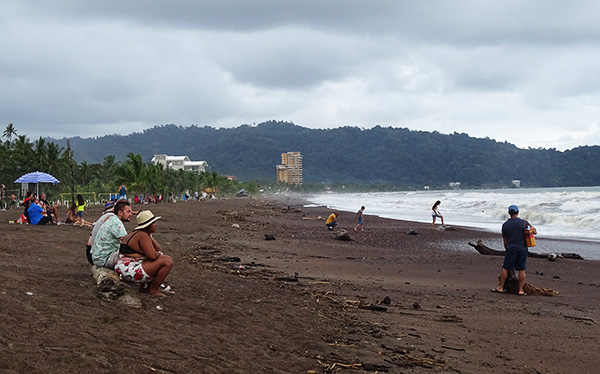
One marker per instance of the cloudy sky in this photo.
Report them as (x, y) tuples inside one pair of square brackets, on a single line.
[(525, 72)]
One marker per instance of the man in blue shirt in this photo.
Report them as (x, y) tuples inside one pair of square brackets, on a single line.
[(513, 235), (35, 212)]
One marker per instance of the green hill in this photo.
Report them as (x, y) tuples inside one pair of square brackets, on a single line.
[(377, 156)]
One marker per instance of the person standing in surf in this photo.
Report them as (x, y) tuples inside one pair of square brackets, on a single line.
[(435, 213)]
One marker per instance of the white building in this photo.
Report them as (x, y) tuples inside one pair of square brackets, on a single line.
[(179, 163)]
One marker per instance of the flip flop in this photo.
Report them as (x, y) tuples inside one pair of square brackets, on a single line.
[(495, 290)]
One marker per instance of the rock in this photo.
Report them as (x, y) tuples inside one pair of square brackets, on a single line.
[(343, 235), (269, 237), (412, 232)]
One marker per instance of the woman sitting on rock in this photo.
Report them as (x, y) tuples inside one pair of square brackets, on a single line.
[(140, 257)]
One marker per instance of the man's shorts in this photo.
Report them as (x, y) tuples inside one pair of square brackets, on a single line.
[(130, 269), (515, 259)]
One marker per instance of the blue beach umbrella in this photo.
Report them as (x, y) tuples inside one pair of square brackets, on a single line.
[(37, 177)]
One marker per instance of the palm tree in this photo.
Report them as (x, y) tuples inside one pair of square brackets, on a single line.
[(134, 173), (85, 171), (56, 166), (10, 132), (40, 153), (106, 171), (23, 153)]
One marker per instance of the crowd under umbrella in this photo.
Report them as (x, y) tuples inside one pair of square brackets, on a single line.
[(37, 177)]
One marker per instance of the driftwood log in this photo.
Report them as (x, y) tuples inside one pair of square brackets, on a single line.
[(110, 287), (485, 250)]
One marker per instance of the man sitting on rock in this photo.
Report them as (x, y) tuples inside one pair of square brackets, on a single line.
[(105, 246)]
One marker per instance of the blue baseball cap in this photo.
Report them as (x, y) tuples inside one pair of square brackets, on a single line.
[(513, 209)]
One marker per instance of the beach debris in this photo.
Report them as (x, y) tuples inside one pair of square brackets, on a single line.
[(453, 348), (582, 319), (29, 293), (511, 286), (235, 225), (485, 250), (269, 237), (371, 306), (306, 218), (412, 232), (343, 235), (293, 278), (230, 259), (386, 300), (416, 305)]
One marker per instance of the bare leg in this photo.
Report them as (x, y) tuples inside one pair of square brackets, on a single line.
[(158, 269), (442, 218), (521, 281), (503, 276)]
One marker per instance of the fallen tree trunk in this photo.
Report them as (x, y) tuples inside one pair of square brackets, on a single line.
[(485, 250), (110, 287)]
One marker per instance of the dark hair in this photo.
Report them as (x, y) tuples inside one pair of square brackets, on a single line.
[(120, 206), (436, 204), (362, 207), (80, 200)]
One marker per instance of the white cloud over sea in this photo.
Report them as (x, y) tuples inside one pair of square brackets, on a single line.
[(516, 71)]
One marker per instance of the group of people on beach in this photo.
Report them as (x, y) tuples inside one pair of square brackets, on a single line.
[(137, 257), (514, 232), (38, 211)]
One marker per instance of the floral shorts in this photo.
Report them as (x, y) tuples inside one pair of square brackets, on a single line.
[(130, 269)]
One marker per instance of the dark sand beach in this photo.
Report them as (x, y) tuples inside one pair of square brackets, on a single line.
[(253, 316)]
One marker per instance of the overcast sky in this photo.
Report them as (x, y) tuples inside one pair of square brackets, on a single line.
[(525, 72)]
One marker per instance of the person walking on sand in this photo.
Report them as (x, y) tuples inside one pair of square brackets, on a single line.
[(361, 219), (435, 213), (332, 220), (513, 235)]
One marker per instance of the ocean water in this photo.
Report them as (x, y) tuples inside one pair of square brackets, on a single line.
[(571, 213)]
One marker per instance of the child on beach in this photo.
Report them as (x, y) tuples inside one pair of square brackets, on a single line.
[(436, 213), (361, 219), (80, 210)]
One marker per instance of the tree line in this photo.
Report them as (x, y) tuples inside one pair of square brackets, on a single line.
[(20, 156)]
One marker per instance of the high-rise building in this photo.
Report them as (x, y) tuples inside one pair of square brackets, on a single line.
[(290, 170)]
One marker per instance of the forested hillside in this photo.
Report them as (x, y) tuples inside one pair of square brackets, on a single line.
[(377, 156)]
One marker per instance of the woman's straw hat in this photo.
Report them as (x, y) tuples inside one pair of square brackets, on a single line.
[(145, 219)]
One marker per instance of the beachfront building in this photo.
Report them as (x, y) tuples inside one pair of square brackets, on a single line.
[(290, 170), (179, 163)]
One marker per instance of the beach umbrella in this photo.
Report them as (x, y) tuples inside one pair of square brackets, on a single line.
[(37, 177)]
